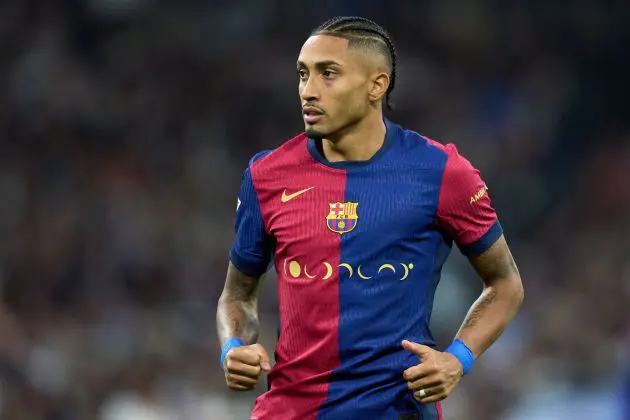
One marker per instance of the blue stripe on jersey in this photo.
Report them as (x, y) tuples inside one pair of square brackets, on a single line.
[(482, 244), (395, 227), (252, 248)]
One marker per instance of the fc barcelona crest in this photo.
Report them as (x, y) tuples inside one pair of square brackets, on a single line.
[(342, 217)]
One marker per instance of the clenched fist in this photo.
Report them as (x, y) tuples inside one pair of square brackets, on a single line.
[(243, 366)]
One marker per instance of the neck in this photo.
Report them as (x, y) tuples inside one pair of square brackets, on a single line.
[(358, 142)]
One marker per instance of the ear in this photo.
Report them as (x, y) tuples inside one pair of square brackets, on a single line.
[(379, 84)]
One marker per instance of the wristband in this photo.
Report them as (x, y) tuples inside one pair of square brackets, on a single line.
[(229, 345), (460, 350)]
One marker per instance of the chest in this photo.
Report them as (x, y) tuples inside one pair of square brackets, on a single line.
[(364, 211)]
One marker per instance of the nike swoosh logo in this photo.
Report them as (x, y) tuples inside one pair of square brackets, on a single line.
[(288, 197)]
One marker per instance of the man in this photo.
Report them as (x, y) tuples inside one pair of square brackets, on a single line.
[(359, 216)]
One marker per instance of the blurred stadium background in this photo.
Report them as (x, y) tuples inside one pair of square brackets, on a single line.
[(126, 125)]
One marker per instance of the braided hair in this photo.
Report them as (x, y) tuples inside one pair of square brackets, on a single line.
[(364, 32)]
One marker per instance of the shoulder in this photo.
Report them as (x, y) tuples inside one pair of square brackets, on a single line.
[(292, 152), (448, 150), (442, 155), (454, 163)]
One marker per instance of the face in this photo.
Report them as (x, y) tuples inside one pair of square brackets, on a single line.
[(335, 85)]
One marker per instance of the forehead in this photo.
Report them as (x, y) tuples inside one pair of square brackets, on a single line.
[(324, 48)]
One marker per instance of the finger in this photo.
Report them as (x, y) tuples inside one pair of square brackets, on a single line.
[(242, 380), (424, 383), (419, 350), (238, 387), (417, 372), (430, 395), (434, 398), (238, 368), (244, 354), (264, 356)]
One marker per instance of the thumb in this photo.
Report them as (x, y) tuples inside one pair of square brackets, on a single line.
[(264, 356), (419, 350)]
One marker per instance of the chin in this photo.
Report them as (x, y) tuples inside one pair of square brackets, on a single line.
[(314, 133)]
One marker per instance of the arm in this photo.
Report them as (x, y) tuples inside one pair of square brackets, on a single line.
[(435, 378), (501, 298), (242, 358), (466, 216), (237, 318), (237, 311)]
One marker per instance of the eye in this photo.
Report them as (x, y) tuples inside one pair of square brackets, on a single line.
[(302, 74), (328, 74)]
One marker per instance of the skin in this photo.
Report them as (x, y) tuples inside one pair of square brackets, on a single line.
[(237, 316), (347, 85)]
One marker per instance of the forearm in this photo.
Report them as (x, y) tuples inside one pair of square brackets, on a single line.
[(237, 319), (237, 311), (491, 314)]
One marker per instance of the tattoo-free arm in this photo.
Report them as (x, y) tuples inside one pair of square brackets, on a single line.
[(499, 302), (237, 311)]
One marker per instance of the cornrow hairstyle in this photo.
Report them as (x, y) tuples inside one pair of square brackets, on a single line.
[(367, 32)]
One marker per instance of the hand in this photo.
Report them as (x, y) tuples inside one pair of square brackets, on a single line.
[(243, 366), (437, 374)]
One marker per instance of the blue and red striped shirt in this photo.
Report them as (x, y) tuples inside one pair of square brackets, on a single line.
[(358, 248)]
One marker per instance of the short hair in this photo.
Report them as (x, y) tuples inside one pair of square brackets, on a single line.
[(365, 32)]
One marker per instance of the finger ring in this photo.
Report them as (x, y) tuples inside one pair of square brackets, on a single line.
[(422, 393)]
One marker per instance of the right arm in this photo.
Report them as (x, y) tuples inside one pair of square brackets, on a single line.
[(242, 358), (237, 317), (237, 312)]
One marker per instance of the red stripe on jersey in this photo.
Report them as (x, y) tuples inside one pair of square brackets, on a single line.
[(464, 210), (308, 288)]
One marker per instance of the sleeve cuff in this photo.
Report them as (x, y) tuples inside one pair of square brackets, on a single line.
[(251, 269), (482, 244)]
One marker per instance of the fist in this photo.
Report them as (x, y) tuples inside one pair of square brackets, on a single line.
[(243, 366)]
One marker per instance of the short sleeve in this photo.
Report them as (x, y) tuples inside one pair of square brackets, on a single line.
[(252, 246), (464, 211)]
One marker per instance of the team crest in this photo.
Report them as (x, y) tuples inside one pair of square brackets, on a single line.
[(342, 217)]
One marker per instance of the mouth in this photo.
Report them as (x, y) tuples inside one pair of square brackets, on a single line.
[(312, 115)]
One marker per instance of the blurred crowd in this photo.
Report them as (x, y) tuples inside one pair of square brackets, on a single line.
[(125, 126)]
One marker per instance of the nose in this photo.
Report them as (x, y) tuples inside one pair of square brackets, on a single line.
[(309, 91)]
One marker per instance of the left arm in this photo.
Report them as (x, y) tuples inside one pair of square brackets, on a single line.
[(465, 214), (501, 298), (440, 372)]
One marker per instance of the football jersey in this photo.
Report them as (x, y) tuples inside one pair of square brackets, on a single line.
[(358, 248)]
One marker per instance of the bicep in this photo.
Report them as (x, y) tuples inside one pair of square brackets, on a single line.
[(495, 263)]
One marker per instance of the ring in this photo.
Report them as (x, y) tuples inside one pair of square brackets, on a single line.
[(422, 393)]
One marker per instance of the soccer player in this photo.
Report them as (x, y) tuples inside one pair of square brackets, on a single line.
[(359, 215)]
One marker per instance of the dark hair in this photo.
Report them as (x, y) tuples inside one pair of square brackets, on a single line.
[(360, 30)]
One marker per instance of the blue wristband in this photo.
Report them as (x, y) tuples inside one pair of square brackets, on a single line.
[(229, 345), (460, 350)]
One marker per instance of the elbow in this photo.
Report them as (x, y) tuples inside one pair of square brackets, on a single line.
[(509, 290), (222, 300), (517, 292)]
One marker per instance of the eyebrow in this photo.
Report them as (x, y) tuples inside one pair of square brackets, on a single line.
[(321, 64)]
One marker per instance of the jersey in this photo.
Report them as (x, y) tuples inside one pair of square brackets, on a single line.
[(358, 248)]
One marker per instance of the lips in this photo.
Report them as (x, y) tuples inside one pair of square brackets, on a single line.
[(312, 114)]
